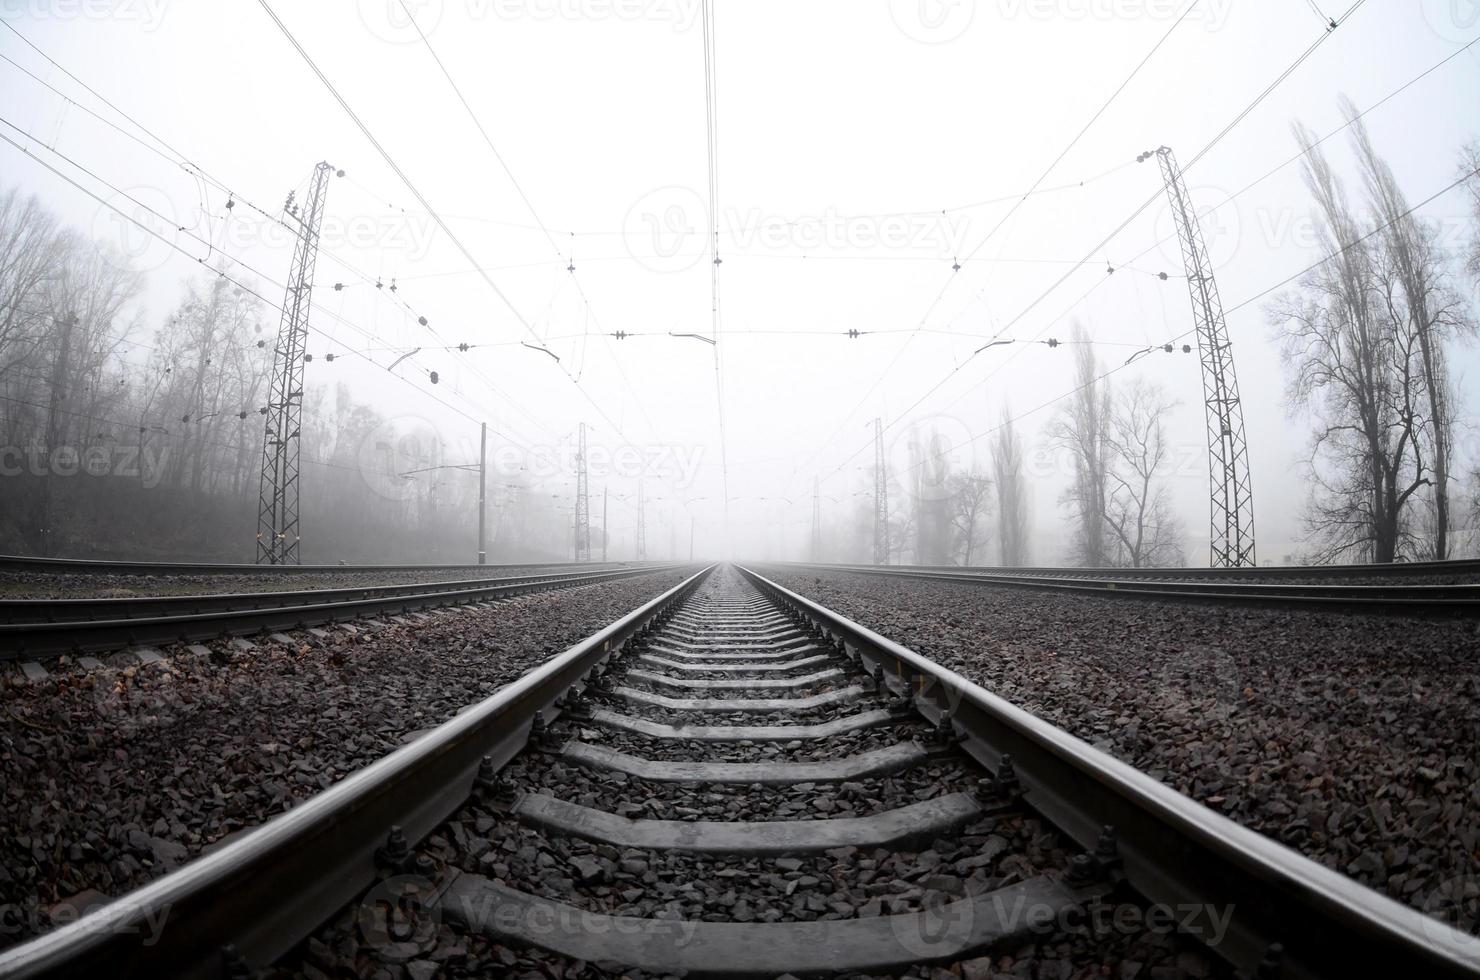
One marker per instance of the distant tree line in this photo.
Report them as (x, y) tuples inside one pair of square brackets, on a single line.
[(131, 437)]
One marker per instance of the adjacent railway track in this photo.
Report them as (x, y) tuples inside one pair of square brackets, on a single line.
[(1457, 568), (1388, 594), (714, 683), (37, 627), (88, 566)]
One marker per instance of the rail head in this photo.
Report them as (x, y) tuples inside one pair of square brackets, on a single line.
[(267, 890), (1383, 597), (1175, 851), (42, 636), (1394, 570)]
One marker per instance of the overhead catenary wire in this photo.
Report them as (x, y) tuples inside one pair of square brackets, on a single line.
[(1098, 249), (523, 196), (956, 264), (416, 192), (178, 158), (1247, 301), (220, 272), (711, 113)]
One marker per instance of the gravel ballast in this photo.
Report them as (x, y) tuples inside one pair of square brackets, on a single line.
[(112, 777), (96, 585), (669, 888), (1352, 738)]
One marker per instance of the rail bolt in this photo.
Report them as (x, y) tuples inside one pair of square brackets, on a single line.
[(396, 854)]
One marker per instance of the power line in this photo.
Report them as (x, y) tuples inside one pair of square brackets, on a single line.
[(711, 113), (508, 172), (956, 264), (1187, 333), (1098, 248), (401, 174), (178, 158)]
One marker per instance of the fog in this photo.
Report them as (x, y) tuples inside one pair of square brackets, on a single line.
[(872, 167)]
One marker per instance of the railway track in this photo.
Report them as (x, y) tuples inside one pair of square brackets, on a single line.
[(1388, 592), (89, 566), (1456, 568), (670, 748), (38, 627)]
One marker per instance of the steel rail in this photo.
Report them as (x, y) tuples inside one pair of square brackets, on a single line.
[(69, 610), (266, 891), (87, 566), (1174, 850), (1395, 570), (1398, 598), (23, 639)]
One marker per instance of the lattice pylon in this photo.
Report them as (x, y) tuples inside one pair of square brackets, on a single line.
[(881, 497), (583, 503), (278, 531), (1231, 508)]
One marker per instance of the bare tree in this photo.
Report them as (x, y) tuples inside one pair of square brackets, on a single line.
[(1469, 168), (1082, 428), (971, 510), (1138, 507), (1012, 492), (32, 253), (1421, 303), (929, 479), (1354, 367)]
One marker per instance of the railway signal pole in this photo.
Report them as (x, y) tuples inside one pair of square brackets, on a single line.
[(277, 495), (641, 525), (881, 498), (816, 521), (583, 504), (1231, 535), (482, 491)]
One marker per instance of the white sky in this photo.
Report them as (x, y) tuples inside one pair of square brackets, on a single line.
[(832, 116)]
